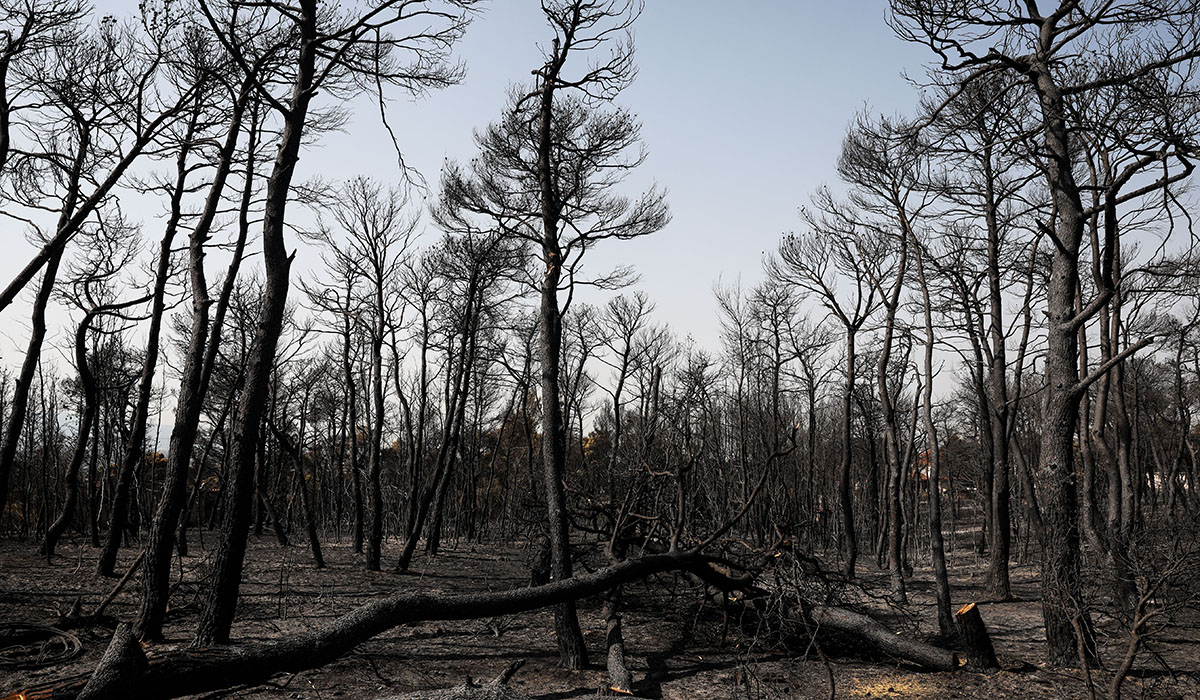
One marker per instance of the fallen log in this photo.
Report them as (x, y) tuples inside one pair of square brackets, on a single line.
[(859, 625), (496, 690), (467, 691), (190, 671), (122, 662)]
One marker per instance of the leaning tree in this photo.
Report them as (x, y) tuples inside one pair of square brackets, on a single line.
[(332, 51)]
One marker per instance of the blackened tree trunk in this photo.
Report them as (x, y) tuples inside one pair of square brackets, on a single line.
[(467, 353), (937, 545), (87, 419), (571, 649), (457, 387), (306, 499), (295, 451), (352, 418), (225, 578), (218, 318), (1062, 608), (999, 413), (375, 449), (37, 333), (24, 381), (891, 438), (845, 488)]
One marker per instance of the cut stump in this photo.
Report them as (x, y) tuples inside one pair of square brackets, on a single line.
[(978, 653)]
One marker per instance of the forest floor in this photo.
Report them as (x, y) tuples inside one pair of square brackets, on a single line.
[(674, 641)]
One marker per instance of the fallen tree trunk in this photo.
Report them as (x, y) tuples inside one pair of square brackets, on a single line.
[(190, 671), (889, 642), (465, 692), (122, 662)]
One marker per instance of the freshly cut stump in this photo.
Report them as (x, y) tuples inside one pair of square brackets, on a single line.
[(976, 643)]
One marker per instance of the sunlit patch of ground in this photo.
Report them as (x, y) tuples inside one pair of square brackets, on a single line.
[(893, 686)]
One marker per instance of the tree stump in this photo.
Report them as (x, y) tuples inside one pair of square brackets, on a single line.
[(978, 652)]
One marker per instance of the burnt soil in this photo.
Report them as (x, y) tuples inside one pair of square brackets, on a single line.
[(679, 643)]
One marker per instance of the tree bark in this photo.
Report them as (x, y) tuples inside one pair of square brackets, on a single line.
[(122, 663)]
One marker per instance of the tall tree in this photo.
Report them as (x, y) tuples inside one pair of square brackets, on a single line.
[(106, 251), (204, 333), (88, 81), (331, 52), (814, 263), (372, 236), (548, 172)]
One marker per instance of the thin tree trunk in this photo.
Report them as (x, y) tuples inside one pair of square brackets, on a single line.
[(193, 387), (87, 419), (937, 546), (135, 448), (375, 449), (849, 541)]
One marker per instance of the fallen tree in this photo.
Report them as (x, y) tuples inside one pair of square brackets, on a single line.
[(497, 689), (861, 626), (124, 671), (784, 603), (197, 670)]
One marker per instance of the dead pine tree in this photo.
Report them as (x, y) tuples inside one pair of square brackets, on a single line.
[(370, 234), (815, 262), (331, 53), (552, 139)]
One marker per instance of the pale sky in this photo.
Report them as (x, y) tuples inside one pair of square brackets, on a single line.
[(743, 108)]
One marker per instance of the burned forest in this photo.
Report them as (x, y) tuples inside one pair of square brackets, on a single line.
[(321, 378)]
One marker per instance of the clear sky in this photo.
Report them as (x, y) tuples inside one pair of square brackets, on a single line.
[(743, 106)]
